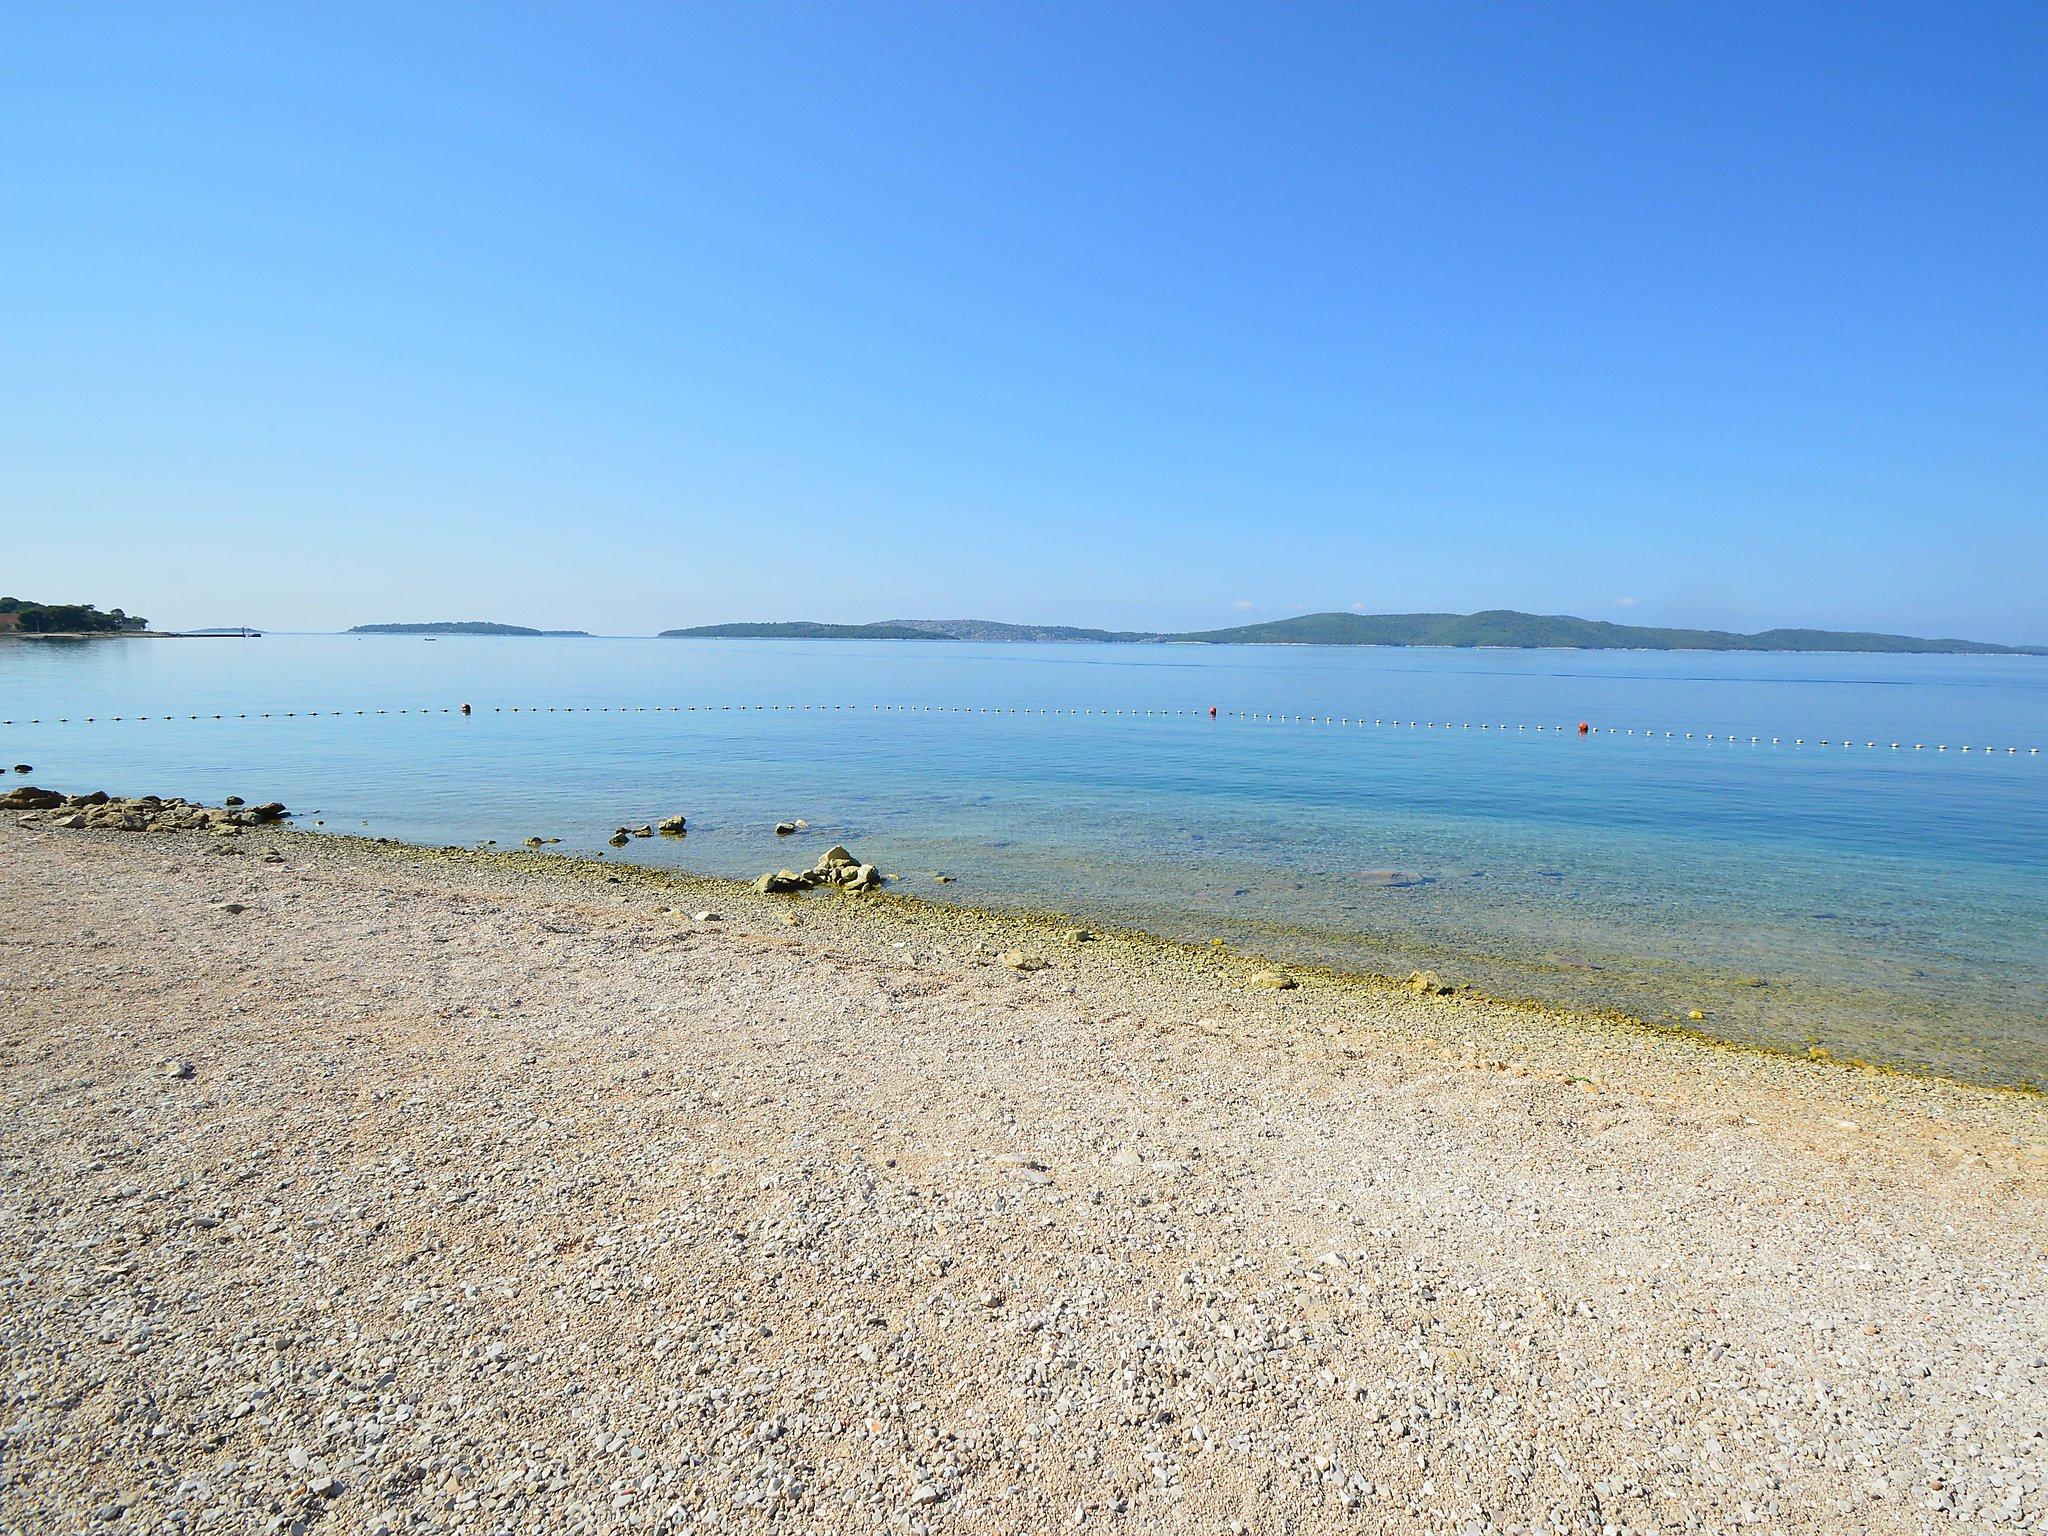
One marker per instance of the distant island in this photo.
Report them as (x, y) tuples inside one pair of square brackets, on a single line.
[(20, 616), (985, 630), (464, 627), (1501, 627)]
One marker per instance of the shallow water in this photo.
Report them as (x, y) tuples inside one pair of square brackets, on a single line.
[(1894, 905)]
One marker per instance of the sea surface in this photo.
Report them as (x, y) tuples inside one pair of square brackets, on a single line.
[(1371, 809)]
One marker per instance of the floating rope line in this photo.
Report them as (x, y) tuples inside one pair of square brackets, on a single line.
[(1583, 731)]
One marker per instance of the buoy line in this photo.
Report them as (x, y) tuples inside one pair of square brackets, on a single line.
[(1583, 730)]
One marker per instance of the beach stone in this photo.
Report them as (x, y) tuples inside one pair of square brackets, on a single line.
[(30, 798), (835, 855), (1079, 936), (1429, 984), (1275, 981), (1017, 960), (781, 883)]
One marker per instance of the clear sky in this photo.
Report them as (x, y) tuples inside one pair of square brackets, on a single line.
[(617, 318)]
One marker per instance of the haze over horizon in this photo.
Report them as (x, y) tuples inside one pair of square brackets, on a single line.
[(654, 318)]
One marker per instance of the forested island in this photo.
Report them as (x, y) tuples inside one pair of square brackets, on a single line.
[(20, 616), (465, 627), (1502, 627)]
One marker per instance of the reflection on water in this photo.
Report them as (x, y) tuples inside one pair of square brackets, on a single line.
[(1888, 906)]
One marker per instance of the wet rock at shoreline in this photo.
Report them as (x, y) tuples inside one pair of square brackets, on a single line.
[(24, 768), (785, 828), (1275, 981), (1429, 984), (835, 867), (142, 813), (673, 826)]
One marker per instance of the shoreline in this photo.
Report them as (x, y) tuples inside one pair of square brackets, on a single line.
[(1226, 965), (1463, 1015), (1223, 962), (125, 634), (410, 1188)]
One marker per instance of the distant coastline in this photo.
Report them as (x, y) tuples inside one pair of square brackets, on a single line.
[(466, 627), (1499, 628)]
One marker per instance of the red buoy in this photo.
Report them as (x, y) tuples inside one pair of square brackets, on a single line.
[(1212, 711), (1584, 728)]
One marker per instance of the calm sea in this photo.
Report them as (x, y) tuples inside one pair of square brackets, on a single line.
[(1893, 904)]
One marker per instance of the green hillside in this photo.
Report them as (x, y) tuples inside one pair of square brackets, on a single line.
[(1506, 627)]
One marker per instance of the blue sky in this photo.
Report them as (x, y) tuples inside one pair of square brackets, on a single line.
[(620, 317)]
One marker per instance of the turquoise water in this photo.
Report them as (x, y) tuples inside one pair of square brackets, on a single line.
[(1893, 904)]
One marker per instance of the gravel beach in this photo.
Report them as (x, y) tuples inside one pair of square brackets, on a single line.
[(362, 1188)]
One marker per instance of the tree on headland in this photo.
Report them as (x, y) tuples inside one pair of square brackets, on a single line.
[(29, 618)]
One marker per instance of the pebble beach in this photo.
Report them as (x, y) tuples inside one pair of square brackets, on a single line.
[(359, 1187)]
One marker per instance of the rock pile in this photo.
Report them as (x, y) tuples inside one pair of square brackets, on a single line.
[(837, 868), (144, 813)]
